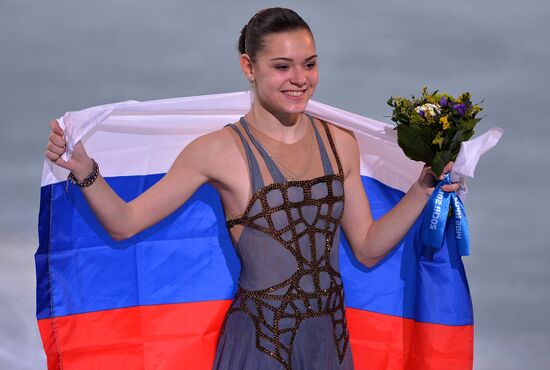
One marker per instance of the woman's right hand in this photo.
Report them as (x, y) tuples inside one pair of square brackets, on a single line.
[(80, 163), (195, 165)]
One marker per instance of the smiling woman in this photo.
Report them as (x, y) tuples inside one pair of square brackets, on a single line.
[(285, 177), (279, 58), (284, 75), (290, 289)]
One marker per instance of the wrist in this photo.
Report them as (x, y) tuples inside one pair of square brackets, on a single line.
[(420, 192), (82, 171), (88, 180)]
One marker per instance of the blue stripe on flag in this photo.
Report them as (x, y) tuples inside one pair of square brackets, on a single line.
[(412, 281), (176, 260), (179, 260)]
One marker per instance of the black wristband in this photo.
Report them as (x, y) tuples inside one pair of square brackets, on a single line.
[(89, 180)]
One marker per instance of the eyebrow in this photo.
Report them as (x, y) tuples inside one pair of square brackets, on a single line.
[(290, 60)]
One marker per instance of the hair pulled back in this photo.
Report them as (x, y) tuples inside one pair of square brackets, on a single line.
[(267, 21)]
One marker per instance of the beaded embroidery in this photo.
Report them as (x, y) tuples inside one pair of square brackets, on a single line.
[(278, 310)]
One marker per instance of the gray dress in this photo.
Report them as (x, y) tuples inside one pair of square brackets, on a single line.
[(288, 312)]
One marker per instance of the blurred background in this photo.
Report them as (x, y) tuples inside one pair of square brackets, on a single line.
[(59, 56)]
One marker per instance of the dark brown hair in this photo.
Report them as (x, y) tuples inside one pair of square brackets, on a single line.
[(266, 21)]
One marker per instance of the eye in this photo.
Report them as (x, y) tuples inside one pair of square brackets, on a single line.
[(281, 67), (311, 65)]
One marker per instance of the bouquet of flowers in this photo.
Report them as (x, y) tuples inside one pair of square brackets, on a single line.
[(431, 127)]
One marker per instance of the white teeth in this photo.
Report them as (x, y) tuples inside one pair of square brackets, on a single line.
[(294, 93)]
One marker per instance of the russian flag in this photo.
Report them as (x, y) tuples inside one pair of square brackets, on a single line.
[(157, 300)]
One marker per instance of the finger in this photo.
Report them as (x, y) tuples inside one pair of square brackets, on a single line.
[(450, 187), (51, 156), (56, 159), (54, 124), (448, 167), (61, 162), (57, 140), (55, 149)]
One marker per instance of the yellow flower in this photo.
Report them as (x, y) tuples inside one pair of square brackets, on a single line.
[(438, 140), (445, 122)]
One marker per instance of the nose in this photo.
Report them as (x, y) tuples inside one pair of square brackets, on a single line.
[(298, 78)]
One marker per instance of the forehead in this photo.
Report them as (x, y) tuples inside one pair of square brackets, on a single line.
[(291, 44)]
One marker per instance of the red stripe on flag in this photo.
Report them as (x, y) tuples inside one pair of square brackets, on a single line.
[(171, 336), (176, 336), (390, 342)]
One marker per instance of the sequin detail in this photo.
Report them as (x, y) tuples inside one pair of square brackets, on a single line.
[(315, 289)]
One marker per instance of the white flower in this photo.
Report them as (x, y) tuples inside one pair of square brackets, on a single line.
[(432, 109)]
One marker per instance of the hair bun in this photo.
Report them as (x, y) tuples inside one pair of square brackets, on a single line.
[(265, 22), (242, 39)]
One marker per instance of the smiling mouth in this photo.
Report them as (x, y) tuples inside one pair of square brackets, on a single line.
[(294, 93)]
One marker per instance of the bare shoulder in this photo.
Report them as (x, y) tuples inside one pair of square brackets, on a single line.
[(346, 146), (341, 135), (214, 142), (215, 153)]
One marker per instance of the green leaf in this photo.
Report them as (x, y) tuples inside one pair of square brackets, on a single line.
[(469, 123), (467, 135), (449, 135), (416, 142), (454, 142), (440, 160)]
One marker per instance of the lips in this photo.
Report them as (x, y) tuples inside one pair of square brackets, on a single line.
[(294, 93)]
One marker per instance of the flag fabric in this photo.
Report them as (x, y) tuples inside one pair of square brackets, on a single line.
[(157, 300)]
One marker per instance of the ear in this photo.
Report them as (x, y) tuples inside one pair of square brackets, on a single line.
[(247, 67)]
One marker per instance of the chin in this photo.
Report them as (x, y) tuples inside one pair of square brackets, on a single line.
[(297, 106)]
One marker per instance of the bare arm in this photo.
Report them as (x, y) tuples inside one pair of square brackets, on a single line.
[(371, 240), (123, 219)]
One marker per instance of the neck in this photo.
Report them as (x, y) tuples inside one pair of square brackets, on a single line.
[(287, 128)]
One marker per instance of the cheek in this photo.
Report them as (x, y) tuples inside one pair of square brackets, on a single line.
[(271, 84), (314, 78), (268, 89)]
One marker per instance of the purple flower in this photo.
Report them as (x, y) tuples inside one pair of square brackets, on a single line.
[(421, 113), (443, 101), (460, 109)]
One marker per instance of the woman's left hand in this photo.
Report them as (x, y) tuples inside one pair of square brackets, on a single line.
[(428, 180)]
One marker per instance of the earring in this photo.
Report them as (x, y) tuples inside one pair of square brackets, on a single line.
[(251, 79)]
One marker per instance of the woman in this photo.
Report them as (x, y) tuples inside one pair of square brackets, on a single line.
[(284, 216)]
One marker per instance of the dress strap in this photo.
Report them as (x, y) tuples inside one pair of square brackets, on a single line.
[(327, 166), (275, 172), (253, 167), (333, 147)]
